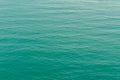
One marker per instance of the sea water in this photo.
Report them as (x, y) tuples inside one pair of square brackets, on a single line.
[(59, 40)]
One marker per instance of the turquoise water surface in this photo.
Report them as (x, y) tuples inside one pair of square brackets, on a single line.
[(59, 39)]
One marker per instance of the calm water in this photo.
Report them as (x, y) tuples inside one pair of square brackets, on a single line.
[(60, 40)]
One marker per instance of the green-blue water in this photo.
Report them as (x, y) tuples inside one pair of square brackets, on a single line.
[(59, 39)]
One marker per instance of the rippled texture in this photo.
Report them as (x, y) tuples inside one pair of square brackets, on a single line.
[(60, 40)]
